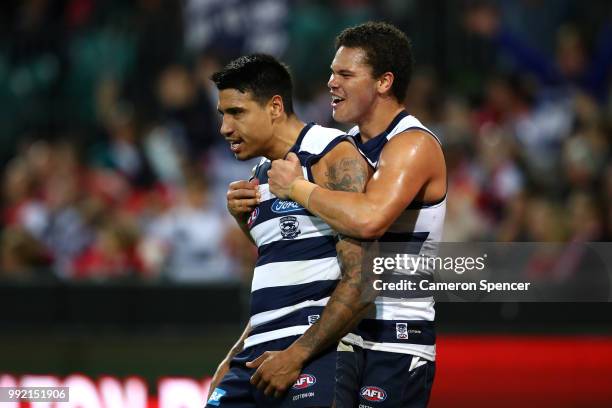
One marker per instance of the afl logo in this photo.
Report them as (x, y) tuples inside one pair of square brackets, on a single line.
[(304, 381), (373, 394), (253, 217), (289, 227), (285, 206)]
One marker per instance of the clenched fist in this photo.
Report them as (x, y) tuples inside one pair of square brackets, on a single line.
[(283, 174), (242, 198)]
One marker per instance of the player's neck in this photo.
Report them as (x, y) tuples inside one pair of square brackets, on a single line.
[(379, 118), (285, 136)]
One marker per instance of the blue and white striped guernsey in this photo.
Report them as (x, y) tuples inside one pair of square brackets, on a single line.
[(296, 269), (402, 325)]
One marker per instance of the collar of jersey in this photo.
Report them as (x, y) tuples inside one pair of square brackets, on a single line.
[(376, 140), (296, 147)]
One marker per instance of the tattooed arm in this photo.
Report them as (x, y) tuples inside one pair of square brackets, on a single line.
[(411, 166), (342, 170)]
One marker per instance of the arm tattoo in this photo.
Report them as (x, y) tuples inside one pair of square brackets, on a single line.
[(347, 175)]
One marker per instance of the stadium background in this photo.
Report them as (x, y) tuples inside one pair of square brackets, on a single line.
[(117, 257)]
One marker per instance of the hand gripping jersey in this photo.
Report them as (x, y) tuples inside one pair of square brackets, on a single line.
[(397, 325), (296, 269)]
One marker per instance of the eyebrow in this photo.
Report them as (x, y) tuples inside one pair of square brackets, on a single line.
[(341, 71), (232, 111)]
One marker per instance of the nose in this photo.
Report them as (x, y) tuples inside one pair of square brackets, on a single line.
[(332, 83), (226, 128)]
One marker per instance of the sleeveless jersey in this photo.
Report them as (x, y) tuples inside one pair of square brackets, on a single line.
[(402, 325), (296, 269)]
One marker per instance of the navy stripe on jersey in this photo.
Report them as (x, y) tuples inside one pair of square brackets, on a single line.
[(263, 300), (397, 331), (298, 318), (261, 172), (296, 147), (373, 147), (277, 208), (303, 249), (418, 205)]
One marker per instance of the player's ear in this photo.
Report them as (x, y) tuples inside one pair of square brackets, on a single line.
[(276, 106), (385, 82)]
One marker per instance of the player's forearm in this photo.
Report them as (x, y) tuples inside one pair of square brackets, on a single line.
[(342, 313), (242, 223), (346, 306), (350, 213)]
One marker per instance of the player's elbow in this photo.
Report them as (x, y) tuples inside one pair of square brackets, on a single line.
[(372, 228)]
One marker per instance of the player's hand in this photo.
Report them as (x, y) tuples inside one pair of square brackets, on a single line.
[(219, 374), (283, 173), (242, 198), (276, 372)]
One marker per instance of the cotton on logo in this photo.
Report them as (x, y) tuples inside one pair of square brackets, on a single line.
[(373, 394), (304, 381)]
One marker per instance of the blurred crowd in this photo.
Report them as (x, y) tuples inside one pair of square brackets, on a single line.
[(113, 167)]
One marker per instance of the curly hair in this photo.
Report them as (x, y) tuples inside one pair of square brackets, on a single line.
[(387, 49)]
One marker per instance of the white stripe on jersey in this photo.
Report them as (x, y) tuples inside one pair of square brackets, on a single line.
[(275, 334), (295, 273), (422, 350), (310, 227), (270, 315), (414, 309)]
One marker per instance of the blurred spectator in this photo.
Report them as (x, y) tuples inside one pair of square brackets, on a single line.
[(186, 244)]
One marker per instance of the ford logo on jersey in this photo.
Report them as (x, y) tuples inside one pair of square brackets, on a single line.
[(285, 206), (304, 381), (373, 394)]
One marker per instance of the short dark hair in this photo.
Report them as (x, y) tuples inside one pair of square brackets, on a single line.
[(387, 49), (260, 74)]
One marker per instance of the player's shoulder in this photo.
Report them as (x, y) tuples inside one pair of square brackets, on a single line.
[(319, 138), (413, 127)]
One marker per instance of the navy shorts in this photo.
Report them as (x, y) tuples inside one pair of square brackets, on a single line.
[(314, 387), (369, 378)]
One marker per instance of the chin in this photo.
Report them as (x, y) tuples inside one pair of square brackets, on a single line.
[(342, 118)]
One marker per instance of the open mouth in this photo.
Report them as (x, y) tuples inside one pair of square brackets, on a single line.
[(235, 145), (336, 100)]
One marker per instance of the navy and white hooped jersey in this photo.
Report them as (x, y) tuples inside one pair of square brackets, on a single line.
[(296, 269), (403, 326)]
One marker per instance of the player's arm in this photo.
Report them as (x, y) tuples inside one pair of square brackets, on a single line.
[(223, 367), (343, 169), (408, 162), (242, 197)]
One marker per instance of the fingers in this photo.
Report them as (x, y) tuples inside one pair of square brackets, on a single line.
[(243, 196), (257, 362), (244, 184), (292, 157), (270, 390), (242, 193)]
